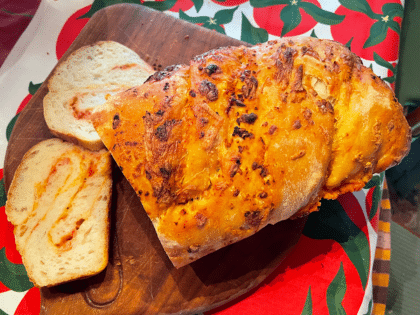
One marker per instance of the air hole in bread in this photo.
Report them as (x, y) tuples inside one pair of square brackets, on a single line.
[(88, 231), (320, 87)]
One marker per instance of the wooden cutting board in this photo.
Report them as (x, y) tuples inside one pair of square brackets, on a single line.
[(139, 278)]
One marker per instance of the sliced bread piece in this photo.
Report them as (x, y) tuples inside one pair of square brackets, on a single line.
[(59, 202), (85, 80)]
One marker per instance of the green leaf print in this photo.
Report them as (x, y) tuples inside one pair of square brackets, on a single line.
[(291, 18), (3, 196), (10, 126), (307, 308), (379, 29), (389, 79), (267, 3), (359, 6), (224, 16), (198, 4), (332, 222), (376, 199), (320, 15), (193, 19), (394, 26), (376, 182), (33, 87), (336, 291), (393, 10), (382, 62), (348, 44), (251, 34), (159, 5), (221, 17), (13, 276), (377, 34)]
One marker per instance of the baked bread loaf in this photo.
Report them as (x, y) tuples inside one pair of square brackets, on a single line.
[(245, 137), (85, 80), (59, 202)]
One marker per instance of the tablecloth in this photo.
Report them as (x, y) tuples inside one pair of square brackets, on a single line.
[(341, 262)]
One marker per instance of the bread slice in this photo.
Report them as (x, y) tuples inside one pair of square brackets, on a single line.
[(85, 80), (59, 202)]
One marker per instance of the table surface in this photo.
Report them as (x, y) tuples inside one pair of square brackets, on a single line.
[(19, 16)]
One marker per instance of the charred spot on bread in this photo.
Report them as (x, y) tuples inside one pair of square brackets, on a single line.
[(116, 121), (212, 68), (247, 118), (242, 133), (209, 90)]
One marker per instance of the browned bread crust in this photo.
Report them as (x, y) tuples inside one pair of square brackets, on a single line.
[(245, 137)]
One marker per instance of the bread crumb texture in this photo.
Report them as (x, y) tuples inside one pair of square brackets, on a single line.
[(59, 202), (86, 79)]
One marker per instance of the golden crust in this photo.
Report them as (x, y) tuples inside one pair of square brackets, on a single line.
[(245, 137)]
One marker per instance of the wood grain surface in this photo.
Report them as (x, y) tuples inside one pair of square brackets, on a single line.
[(139, 278)]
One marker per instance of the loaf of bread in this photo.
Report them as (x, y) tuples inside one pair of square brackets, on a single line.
[(85, 80), (245, 137), (59, 203)]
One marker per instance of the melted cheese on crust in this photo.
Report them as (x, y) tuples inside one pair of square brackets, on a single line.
[(245, 137)]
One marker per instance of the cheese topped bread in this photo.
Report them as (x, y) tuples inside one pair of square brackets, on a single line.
[(245, 137), (85, 80), (59, 202)]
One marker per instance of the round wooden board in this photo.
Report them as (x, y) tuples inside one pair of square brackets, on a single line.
[(140, 279)]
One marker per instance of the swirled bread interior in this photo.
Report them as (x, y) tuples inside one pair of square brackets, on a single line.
[(59, 202)]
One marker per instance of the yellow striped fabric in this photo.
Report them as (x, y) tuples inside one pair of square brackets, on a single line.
[(378, 309), (385, 204), (380, 279), (381, 266), (384, 254), (385, 226)]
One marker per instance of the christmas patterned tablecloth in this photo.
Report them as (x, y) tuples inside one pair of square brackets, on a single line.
[(341, 262)]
